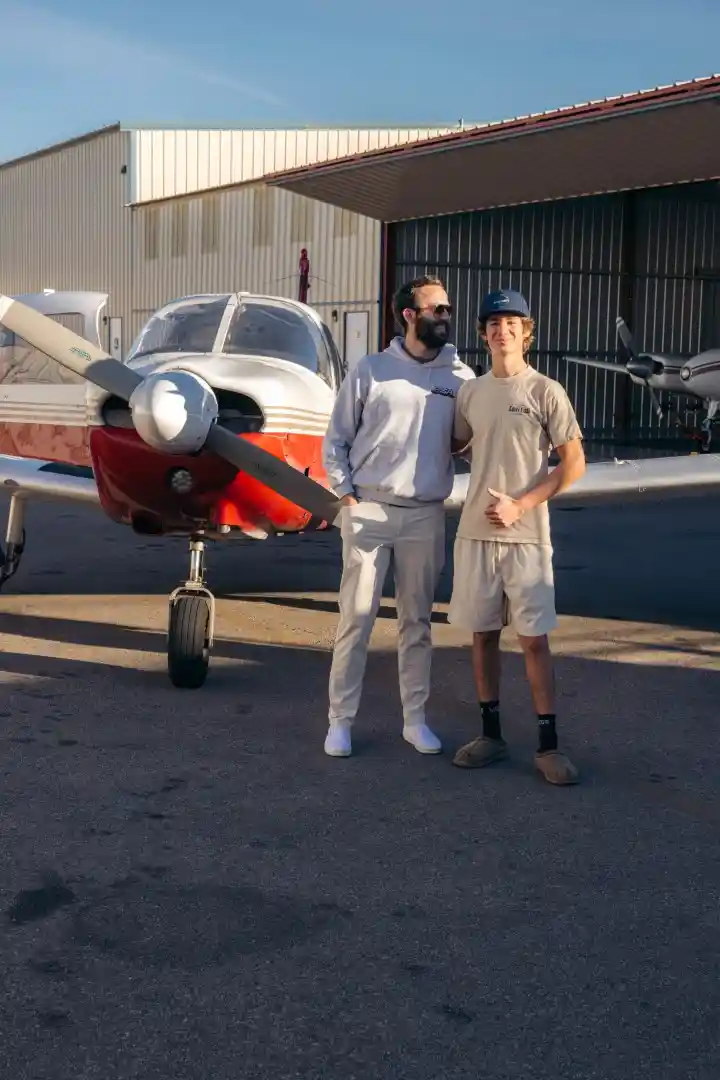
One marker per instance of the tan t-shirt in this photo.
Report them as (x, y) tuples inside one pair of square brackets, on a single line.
[(510, 425)]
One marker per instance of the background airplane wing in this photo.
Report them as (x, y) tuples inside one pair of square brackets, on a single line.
[(47, 479), (603, 365)]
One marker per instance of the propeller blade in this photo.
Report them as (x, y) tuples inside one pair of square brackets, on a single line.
[(275, 473), (70, 350), (92, 363), (604, 365), (626, 336), (658, 407)]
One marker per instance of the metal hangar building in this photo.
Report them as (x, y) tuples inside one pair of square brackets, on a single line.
[(602, 209), (150, 214)]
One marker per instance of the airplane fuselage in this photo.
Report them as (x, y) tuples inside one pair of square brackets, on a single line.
[(280, 404)]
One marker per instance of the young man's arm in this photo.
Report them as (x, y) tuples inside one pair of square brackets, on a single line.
[(570, 469), (566, 437), (462, 432), (342, 429)]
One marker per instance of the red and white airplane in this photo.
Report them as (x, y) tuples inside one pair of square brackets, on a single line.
[(210, 428)]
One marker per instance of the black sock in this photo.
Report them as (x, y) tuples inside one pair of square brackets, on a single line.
[(491, 719), (548, 735)]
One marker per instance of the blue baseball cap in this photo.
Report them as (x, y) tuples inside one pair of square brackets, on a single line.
[(504, 302)]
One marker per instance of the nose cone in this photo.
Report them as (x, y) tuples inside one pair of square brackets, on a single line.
[(173, 410)]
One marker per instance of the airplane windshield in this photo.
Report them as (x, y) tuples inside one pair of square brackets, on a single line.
[(273, 331), (191, 328)]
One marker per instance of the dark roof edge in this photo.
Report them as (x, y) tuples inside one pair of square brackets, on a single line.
[(65, 144), (638, 101)]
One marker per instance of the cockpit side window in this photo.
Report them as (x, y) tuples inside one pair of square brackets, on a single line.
[(273, 331), (191, 328), (21, 362)]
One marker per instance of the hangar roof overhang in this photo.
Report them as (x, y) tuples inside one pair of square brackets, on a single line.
[(652, 138)]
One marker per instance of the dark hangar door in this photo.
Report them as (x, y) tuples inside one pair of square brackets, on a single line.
[(581, 262)]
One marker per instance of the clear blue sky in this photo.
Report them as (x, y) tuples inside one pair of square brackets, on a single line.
[(69, 66)]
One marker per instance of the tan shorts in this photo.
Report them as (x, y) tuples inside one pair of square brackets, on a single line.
[(497, 584)]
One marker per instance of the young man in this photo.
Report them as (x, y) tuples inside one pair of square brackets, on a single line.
[(388, 454), (508, 419)]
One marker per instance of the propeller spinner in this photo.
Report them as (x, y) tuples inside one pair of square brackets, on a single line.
[(90, 362)]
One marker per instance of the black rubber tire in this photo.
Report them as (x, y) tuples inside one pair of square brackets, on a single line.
[(188, 648)]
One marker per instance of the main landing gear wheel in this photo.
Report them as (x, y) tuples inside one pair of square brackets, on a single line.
[(191, 625)]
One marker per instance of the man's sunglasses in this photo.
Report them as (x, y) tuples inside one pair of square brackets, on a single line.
[(437, 309)]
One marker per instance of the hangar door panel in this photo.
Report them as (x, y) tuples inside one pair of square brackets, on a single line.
[(357, 330), (580, 263)]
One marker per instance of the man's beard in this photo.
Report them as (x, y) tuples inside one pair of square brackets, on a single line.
[(432, 334)]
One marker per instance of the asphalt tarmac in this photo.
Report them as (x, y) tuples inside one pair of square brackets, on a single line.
[(192, 890)]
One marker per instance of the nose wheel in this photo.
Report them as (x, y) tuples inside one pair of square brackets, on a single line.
[(191, 625)]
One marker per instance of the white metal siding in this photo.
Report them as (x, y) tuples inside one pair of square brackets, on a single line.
[(250, 239), (169, 163), (64, 224)]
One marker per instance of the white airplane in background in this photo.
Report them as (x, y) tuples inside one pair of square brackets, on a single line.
[(697, 377), (211, 428)]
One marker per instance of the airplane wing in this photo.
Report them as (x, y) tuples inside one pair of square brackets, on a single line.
[(616, 481), (620, 481), (47, 479)]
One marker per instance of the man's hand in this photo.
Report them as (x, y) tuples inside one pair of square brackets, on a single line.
[(348, 500), (505, 512)]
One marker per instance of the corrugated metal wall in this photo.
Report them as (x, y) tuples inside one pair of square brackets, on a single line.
[(652, 256), (63, 223), (250, 238), (66, 224), (169, 163)]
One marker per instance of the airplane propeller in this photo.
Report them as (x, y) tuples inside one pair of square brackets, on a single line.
[(90, 362), (640, 365)]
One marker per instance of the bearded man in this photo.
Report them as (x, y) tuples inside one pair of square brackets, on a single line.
[(388, 456)]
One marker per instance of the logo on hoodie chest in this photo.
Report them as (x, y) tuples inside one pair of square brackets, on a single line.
[(444, 391)]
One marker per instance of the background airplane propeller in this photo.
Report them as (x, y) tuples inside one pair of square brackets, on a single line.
[(80, 356), (640, 365)]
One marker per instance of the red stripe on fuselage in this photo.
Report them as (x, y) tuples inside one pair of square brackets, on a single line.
[(48, 442)]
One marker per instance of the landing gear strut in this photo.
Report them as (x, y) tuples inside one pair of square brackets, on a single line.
[(14, 539), (707, 426), (191, 624)]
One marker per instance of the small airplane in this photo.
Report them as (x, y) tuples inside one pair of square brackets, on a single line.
[(210, 428), (697, 377)]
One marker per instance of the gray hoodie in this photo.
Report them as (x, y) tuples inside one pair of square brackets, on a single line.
[(389, 436)]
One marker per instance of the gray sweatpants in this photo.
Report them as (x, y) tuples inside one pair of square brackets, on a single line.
[(416, 537)]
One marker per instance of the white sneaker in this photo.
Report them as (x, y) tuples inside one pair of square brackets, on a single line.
[(422, 738), (337, 741)]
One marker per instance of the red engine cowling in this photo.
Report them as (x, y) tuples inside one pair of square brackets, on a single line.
[(135, 485)]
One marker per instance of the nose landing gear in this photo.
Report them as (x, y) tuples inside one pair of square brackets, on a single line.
[(14, 539), (707, 426), (191, 624)]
